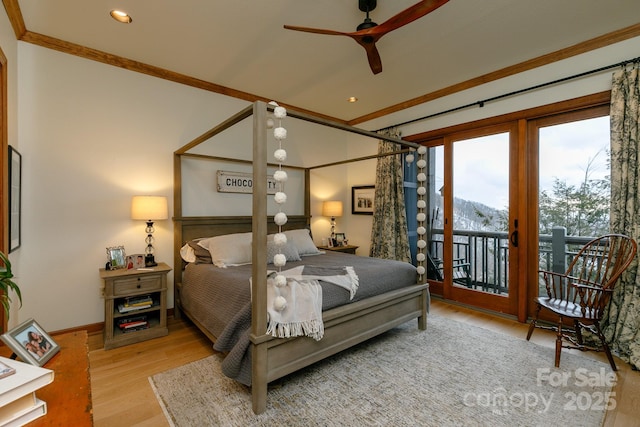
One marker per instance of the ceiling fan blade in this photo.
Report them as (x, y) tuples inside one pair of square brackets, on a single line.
[(408, 15), (369, 44), (368, 37), (374, 57), (316, 31)]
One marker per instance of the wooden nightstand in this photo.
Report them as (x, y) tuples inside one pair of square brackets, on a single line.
[(122, 286), (349, 249)]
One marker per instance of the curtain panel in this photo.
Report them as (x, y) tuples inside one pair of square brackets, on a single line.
[(389, 237), (621, 324)]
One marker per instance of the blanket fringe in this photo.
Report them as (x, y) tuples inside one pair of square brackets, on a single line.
[(355, 281), (310, 328)]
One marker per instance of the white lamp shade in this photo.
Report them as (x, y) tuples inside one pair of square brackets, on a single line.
[(332, 208), (149, 208)]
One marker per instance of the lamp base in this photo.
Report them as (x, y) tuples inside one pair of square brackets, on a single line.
[(149, 261)]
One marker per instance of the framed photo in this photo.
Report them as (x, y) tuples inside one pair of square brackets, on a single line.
[(15, 198), (340, 238), (135, 261), (362, 199), (31, 343), (330, 242), (116, 257)]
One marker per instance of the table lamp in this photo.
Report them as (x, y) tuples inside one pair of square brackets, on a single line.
[(149, 209), (332, 208)]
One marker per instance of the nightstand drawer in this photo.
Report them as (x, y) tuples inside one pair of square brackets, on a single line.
[(139, 284)]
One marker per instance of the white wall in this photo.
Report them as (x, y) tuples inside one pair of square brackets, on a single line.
[(92, 136), (587, 85)]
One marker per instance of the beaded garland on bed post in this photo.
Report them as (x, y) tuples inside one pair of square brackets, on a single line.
[(280, 218), (421, 216)]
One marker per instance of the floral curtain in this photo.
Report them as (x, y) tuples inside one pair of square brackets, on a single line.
[(621, 325), (389, 237)]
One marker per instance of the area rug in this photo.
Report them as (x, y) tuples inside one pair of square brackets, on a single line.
[(453, 374)]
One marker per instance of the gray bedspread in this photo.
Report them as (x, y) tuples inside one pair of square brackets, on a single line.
[(219, 299)]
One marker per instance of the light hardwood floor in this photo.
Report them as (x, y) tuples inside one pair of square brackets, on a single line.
[(122, 395)]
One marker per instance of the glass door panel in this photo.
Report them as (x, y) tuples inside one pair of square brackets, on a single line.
[(573, 189), (481, 218), (480, 252)]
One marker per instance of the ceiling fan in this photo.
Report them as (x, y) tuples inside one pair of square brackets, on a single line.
[(368, 32)]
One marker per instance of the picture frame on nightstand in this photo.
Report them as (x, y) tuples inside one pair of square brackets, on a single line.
[(31, 343), (135, 261), (116, 257)]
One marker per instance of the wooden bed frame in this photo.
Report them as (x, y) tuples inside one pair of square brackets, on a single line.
[(345, 326)]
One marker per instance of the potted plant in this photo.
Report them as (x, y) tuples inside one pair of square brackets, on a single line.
[(6, 284)]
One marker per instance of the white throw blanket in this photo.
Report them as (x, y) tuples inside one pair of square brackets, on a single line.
[(296, 308)]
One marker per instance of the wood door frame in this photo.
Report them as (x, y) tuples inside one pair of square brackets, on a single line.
[(509, 304), (527, 178), (4, 167), (533, 127)]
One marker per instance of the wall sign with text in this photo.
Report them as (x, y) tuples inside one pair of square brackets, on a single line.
[(241, 182)]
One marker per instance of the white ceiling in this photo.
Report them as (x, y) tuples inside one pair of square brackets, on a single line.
[(241, 44)]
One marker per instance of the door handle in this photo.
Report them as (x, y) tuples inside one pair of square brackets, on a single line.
[(514, 238)]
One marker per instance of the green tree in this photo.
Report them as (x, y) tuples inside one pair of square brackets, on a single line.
[(583, 210)]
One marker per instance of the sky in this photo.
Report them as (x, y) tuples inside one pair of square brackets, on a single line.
[(481, 165)]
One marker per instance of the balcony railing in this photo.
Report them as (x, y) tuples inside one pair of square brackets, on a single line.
[(487, 255)]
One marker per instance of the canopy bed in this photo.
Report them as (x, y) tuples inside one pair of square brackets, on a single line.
[(348, 317)]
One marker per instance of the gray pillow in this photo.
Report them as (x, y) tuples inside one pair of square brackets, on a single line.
[(302, 240), (203, 256)]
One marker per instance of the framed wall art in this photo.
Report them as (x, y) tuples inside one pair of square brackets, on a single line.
[(362, 199), (31, 343), (15, 198)]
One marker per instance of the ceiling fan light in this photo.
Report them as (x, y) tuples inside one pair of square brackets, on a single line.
[(121, 16)]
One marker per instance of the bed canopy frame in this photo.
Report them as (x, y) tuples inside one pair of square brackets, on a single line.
[(345, 326)]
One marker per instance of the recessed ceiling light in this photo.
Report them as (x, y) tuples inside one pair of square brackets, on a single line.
[(353, 99), (121, 16)]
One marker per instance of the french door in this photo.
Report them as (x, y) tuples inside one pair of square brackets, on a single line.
[(474, 217), (497, 187), (569, 160)]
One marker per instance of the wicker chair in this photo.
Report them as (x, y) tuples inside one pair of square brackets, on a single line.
[(583, 292)]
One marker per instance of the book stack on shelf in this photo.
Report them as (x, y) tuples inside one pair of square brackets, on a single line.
[(18, 384), (135, 323), (134, 303)]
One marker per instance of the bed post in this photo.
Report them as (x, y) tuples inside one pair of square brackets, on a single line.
[(259, 365), (177, 233)]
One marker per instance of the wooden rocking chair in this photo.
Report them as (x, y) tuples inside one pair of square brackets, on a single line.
[(583, 292)]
